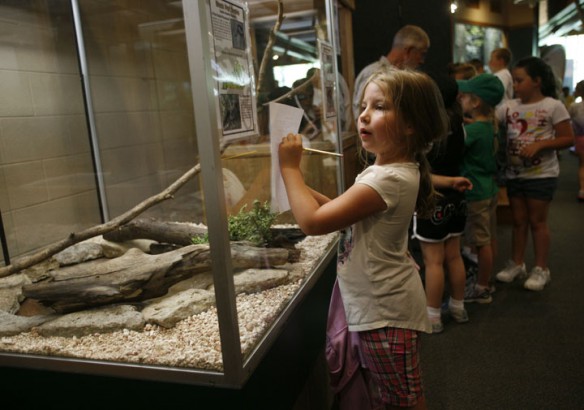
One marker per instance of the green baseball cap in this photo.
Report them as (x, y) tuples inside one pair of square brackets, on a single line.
[(486, 86)]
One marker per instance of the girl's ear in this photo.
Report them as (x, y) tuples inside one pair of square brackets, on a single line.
[(537, 81), (410, 130), (475, 102)]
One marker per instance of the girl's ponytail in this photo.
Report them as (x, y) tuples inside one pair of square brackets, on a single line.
[(426, 193)]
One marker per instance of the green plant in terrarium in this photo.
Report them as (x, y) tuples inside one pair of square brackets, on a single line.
[(252, 226), (200, 239)]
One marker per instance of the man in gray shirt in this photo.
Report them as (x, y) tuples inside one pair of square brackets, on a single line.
[(409, 48)]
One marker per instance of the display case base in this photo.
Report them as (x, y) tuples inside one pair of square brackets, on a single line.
[(278, 382)]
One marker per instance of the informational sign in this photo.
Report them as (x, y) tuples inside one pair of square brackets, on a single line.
[(327, 73), (233, 69)]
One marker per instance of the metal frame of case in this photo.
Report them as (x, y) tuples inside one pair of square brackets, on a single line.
[(236, 369)]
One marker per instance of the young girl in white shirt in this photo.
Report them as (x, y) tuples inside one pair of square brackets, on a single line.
[(537, 125), (401, 114), (577, 113)]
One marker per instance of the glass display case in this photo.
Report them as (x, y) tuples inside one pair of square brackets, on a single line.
[(127, 197)]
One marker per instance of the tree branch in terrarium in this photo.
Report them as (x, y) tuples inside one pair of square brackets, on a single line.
[(269, 47), (297, 90), (76, 237)]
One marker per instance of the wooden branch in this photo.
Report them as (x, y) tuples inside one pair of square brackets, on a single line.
[(296, 90), (170, 235), (268, 51), (137, 276), (177, 233), (73, 238)]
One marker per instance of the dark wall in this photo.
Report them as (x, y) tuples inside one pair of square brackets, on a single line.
[(376, 21), (521, 43), (556, 6)]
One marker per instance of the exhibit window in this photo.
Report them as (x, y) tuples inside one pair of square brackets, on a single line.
[(145, 232), (474, 41)]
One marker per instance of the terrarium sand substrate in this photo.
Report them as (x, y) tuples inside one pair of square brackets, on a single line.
[(191, 343)]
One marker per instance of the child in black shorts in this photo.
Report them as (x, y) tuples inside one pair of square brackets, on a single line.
[(439, 235)]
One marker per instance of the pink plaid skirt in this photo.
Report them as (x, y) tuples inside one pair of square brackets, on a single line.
[(393, 357)]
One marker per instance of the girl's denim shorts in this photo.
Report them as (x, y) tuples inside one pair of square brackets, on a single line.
[(534, 188)]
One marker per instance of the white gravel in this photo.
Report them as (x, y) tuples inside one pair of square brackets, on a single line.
[(192, 343)]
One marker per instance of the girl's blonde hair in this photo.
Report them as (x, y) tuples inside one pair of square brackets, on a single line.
[(419, 107), (488, 111)]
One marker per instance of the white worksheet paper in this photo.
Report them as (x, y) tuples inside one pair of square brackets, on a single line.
[(284, 119)]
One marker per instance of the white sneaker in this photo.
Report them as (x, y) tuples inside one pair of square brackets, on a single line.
[(469, 255), (436, 323), (538, 278), (459, 315), (510, 272)]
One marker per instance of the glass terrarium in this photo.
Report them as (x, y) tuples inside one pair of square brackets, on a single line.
[(144, 229)]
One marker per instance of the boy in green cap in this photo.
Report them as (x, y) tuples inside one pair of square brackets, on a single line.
[(478, 98)]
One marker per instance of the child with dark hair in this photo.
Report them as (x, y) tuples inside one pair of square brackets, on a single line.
[(478, 65), (439, 235), (537, 124), (462, 71)]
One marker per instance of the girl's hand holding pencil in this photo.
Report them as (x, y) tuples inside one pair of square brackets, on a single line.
[(290, 151), (291, 148)]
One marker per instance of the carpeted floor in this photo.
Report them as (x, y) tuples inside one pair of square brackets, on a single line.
[(525, 350)]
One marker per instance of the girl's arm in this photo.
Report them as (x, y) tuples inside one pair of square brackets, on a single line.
[(314, 213), (564, 138), (460, 184), (320, 198)]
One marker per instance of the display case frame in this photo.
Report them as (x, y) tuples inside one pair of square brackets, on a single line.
[(237, 369)]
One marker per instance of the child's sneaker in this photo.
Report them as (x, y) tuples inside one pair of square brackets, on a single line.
[(510, 272), (468, 254), (459, 315), (479, 296), (437, 326), (538, 278)]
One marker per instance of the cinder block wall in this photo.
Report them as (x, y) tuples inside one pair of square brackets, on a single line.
[(143, 115), (46, 175)]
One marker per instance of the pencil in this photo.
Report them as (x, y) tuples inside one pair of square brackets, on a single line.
[(322, 152), (239, 155)]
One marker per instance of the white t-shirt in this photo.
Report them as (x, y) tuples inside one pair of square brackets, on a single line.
[(577, 113), (527, 123), (379, 282), (505, 76)]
